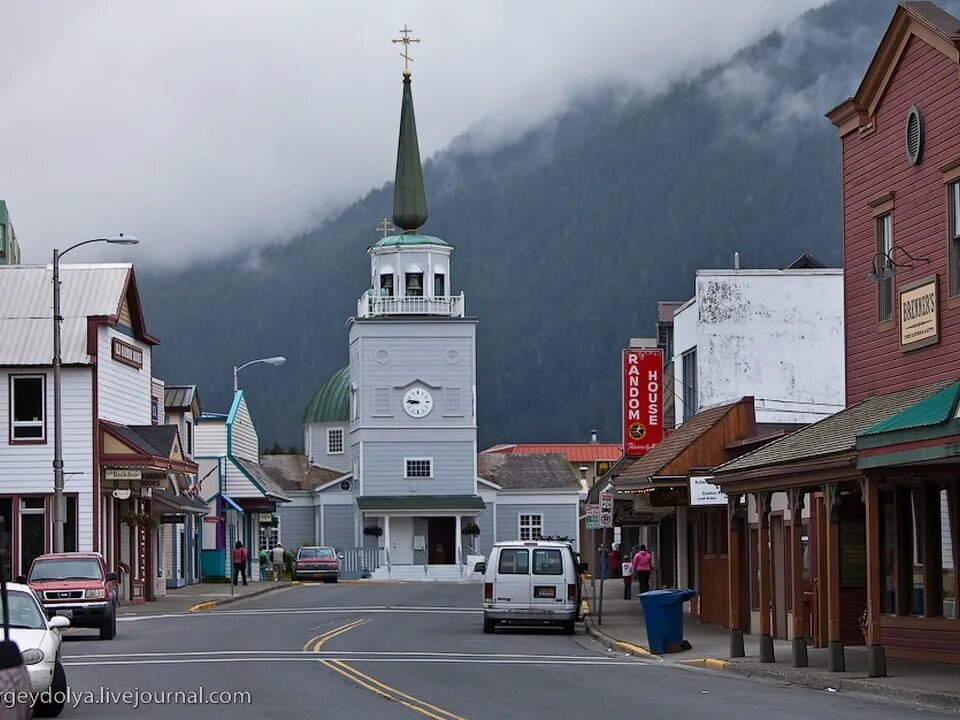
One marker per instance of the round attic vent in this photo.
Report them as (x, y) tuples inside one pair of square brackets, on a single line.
[(914, 135)]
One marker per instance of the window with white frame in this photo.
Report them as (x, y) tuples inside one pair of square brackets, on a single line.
[(334, 441), (418, 467), (690, 399), (531, 527), (884, 262), (953, 251), (28, 414), (269, 536)]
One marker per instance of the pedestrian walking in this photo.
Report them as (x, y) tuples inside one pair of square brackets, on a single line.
[(642, 567), (276, 558), (626, 569), (264, 560), (239, 562), (615, 560)]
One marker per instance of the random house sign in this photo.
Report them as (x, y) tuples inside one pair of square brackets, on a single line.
[(642, 401), (919, 313), (704, 492)]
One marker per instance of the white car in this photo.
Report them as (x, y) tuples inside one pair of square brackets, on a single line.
[(531, 583), (39, 641)]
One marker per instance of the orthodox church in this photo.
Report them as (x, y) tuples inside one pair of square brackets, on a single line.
[(391, 470)]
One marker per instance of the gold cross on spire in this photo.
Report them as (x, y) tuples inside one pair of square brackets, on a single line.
[(405, 41), (386, 227)]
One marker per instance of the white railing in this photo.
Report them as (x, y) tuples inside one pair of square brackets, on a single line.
[(370, 305)]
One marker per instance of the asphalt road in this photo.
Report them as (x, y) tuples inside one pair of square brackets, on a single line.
[(400, 651)]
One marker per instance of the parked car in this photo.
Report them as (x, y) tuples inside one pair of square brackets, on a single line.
[(78, 587), (39, 641), (531, 583), (314, 561)]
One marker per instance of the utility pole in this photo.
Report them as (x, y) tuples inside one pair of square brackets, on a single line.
[(59, 518)]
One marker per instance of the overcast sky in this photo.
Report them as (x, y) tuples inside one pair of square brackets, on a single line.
[(209, 125)]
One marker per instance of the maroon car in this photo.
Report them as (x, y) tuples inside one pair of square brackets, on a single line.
[(77, 586), (317, 561)]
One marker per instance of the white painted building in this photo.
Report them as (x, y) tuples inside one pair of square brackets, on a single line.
[(114, 455), (776, 335)]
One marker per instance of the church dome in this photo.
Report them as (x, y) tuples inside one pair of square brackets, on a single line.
[(331, 401)]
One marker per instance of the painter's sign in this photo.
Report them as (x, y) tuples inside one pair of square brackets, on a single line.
[(919, 313), (704, 492)]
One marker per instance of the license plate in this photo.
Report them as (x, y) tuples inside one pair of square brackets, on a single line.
[(65, 613), (545, 592)]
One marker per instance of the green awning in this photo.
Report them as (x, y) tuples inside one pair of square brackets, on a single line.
[(935, 410), (377, 503)]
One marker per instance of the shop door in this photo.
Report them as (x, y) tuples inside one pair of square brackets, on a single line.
[(441, 535)]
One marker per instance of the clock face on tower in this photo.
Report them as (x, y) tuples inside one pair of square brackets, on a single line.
[(417, 402)]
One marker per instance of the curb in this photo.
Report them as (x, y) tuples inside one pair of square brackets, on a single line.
[(210, 604), (612, 642)]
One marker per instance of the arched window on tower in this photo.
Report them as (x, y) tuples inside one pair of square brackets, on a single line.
[(386, 281), (413, 281)]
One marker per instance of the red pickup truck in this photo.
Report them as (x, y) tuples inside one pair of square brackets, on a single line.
[(76, 586)]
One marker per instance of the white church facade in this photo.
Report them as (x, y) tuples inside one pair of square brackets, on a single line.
[(391, 440)]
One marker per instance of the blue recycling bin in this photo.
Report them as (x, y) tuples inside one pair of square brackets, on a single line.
[(663, 615)]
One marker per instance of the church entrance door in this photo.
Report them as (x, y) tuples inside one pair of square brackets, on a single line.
[(441, 534)]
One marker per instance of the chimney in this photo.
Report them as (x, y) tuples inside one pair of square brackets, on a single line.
[(593, 437), (736, 261)]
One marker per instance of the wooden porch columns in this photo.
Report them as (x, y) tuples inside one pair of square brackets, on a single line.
[(876, 657), (831, 501), (796, 498), (736, 516), (763, 557)]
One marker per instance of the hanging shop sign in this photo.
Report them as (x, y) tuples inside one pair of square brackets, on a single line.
[(642, 400), (919, 314), (704, 492)]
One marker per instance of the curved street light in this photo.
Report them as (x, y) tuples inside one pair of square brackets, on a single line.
[(59, 511), (276, 361)]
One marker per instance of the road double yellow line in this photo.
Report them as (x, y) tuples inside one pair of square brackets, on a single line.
[(389, 693), (314, 644)]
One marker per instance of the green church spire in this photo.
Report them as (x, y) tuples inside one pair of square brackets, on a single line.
[(409, 198)]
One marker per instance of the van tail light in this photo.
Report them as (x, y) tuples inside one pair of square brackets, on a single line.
[(572, 592), (488, 591)]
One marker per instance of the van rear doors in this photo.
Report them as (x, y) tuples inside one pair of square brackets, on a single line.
[(549, 579), (511, 584)]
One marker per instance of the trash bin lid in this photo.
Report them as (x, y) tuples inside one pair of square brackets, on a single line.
[(666, 597)]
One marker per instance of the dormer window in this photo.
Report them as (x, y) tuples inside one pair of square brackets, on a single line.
[(439, 285), (413, 281)]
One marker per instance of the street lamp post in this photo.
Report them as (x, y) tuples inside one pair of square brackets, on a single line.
[(276, 361), (59, 511)]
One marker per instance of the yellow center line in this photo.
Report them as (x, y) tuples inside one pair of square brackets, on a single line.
[(333, 665), (387, 689), (323, 637)]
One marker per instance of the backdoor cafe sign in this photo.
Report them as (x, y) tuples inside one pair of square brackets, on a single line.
[(642, 400)]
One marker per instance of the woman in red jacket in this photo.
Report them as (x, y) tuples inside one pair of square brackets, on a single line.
[(642, 567), (239, 562)]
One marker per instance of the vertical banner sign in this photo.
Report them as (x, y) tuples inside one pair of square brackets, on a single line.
[(642, 401)]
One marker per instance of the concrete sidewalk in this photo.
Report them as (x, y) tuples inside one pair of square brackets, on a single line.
[(194, 598), (622, 627)]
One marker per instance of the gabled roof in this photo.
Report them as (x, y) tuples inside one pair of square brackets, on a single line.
[(935, 410), (159, 440), (573, 452), (805, 262), (294, 472), (923, 20), (156, 445), (639, 470), (181, 397), (528, 472), (87, 291), (260, 478), (834, 435)]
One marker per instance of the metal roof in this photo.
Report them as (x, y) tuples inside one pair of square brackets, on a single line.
[(177, 397), (26, 309), (935, 410), (409, 239), (573, 452), (331, 401)]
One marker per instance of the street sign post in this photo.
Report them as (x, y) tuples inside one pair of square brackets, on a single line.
[(606, 521), (592, 516)]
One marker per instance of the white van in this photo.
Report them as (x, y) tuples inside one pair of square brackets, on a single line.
[(531, 583)]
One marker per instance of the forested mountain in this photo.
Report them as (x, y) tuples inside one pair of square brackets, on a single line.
[(564, 238)]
